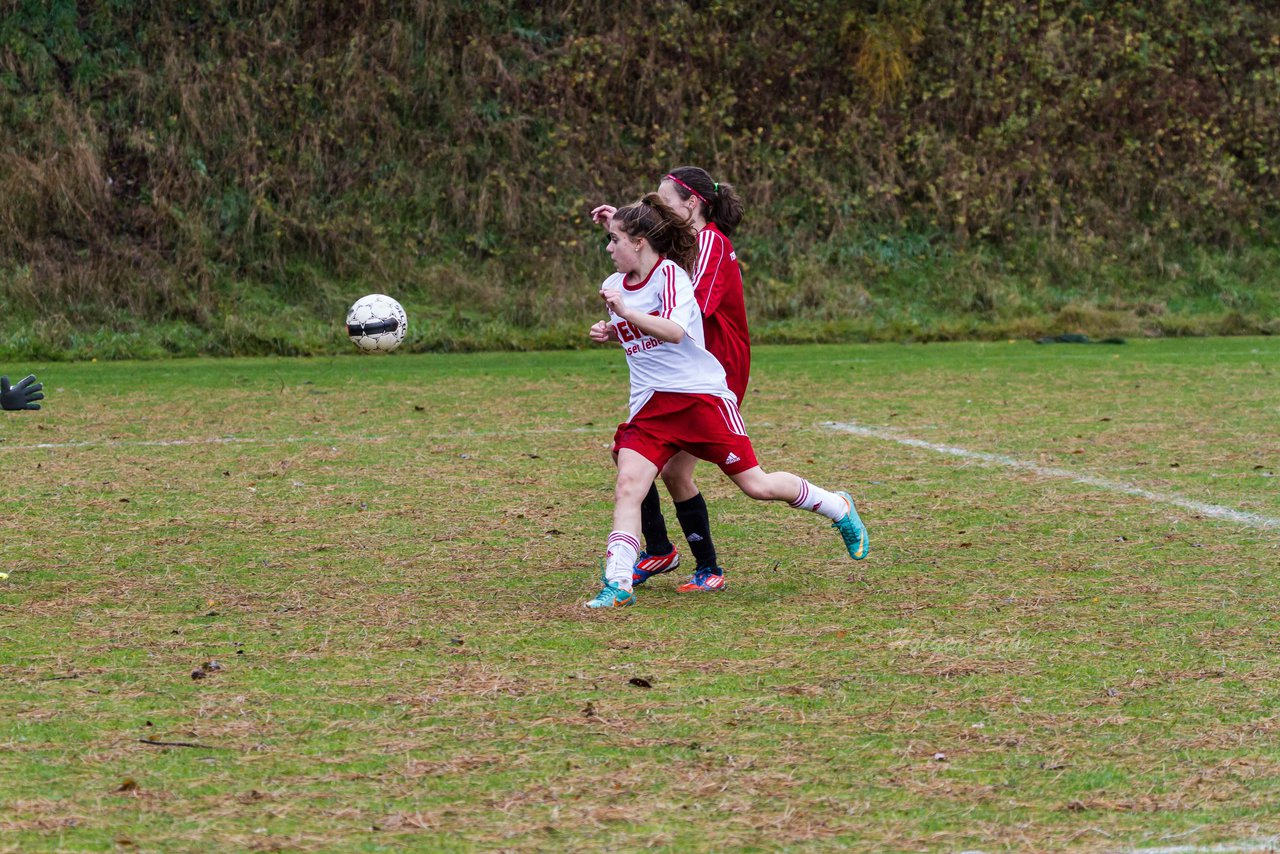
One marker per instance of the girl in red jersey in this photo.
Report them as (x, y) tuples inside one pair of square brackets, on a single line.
[(714, 210), (680, 398)]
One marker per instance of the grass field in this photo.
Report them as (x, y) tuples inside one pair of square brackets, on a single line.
[(386, 558)]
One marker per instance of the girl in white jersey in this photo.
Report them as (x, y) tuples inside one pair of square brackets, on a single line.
[(679, 398), (714, 211)]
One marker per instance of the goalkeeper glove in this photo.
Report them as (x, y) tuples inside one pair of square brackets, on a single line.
[(21, 396)]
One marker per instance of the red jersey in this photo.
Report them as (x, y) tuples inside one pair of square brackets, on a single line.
[(717, 286)]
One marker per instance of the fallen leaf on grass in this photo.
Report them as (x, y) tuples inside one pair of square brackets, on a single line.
[(212, 666)]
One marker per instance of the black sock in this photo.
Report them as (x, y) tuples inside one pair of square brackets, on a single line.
[(697, 530), (652, 525)]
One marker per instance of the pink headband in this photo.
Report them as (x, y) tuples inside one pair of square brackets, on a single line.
[(687, 187)]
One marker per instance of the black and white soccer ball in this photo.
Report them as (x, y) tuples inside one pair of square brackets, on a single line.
[(377, 323)]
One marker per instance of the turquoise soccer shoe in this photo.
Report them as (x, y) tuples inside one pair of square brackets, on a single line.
[(612, 596), (852, 531)]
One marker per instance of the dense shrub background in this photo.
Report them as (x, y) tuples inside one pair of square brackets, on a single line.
[(227, 176)]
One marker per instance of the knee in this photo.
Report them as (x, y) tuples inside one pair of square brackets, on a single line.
[(677, 482), (630, 486), (757, 489)]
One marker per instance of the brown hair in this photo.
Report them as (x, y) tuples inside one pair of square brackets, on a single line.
[(668, 232), (720, 202)]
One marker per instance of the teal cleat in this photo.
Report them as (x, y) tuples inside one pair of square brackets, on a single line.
[(852, 531), (612, 596)]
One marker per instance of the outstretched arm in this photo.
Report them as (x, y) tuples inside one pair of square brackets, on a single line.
[(603, 215)]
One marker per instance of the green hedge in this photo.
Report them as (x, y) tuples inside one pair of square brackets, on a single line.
[(982, 166)]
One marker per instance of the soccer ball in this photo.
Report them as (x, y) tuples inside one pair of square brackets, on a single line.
[(377, 323)]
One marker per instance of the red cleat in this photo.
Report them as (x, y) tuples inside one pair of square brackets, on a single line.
[(648, 565), (705, 580)]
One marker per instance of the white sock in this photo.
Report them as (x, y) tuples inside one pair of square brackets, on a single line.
[(620, 558), (815, 499)]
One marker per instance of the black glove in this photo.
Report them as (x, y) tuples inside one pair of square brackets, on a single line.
[(21, 396)]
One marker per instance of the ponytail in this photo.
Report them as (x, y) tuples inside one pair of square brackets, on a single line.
[(667, 232), (720, 202)]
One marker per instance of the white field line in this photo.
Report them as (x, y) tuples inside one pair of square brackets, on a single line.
[(168, 443), (1249, 846), (1252, 845), (1212, 511), (283, 440)]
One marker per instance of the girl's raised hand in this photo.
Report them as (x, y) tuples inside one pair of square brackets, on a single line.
[(603, 215)]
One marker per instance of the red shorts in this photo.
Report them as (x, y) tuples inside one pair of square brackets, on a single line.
[(706, 426)]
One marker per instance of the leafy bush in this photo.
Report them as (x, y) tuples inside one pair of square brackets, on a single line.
[(157, 160)]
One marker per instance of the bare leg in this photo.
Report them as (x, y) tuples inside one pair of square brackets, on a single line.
[(677, 475), (801, 494), (635, 474), (768, 486)]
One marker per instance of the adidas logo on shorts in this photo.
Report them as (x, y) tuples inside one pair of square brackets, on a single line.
[(732, 458)]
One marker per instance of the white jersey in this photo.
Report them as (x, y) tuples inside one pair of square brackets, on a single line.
[(658, 365)]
